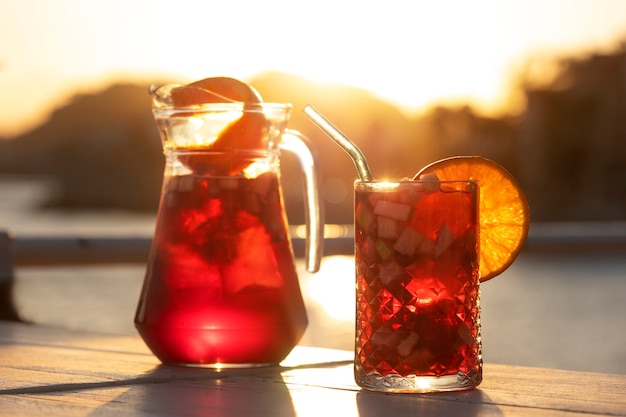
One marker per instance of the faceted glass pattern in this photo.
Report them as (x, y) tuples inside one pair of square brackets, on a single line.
[(418, 309)]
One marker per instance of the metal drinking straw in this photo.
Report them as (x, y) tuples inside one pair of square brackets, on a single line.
[(342, 140)]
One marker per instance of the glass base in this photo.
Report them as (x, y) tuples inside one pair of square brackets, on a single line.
[(417, 384), (221, 365)]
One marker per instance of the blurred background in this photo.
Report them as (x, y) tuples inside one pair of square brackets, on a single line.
[(539, 87)]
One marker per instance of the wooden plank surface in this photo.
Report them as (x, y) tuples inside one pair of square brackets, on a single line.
[(50, 372)]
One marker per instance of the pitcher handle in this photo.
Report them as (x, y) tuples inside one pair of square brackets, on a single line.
[(298, 144)]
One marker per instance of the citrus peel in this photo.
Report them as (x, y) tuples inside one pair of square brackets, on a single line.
[(504, 215)]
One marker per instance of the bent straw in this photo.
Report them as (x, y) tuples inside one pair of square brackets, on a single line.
[(342, 140)]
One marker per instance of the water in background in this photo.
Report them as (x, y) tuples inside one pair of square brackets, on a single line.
[(564, 312)]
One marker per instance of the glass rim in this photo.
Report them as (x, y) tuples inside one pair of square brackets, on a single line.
[(239, 107), (395, 181), (161, 95)]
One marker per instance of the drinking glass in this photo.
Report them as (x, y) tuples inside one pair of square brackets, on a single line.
[(417, 286)]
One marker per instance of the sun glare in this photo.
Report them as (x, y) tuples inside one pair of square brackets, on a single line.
[(413, 56), (332, 288)]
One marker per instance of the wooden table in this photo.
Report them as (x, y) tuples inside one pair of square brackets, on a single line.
[(52, 372)]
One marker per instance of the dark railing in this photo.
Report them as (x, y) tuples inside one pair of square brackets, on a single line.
[(25, 251), (55, 251)]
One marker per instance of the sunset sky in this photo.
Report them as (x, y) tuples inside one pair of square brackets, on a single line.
[(413, 53)]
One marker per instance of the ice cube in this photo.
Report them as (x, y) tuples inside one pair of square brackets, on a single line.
[(408, 193), (411, 242), (384, 337), (188, 269), (387, 228), (430, 183), (445, 237), (391, 272), (255, 264), (193, 131), (426, 246), (420, 359), (405, 347), (373, 198), (392, 210)]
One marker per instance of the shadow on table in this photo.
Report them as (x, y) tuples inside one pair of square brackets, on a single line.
[(179, 391), (450, 404), (325, 389)]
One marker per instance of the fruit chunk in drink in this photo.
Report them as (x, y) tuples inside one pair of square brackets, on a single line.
[(221, 285), (417, 323)]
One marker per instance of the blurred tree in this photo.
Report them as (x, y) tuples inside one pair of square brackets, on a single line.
[(573, 141), (567, 149)]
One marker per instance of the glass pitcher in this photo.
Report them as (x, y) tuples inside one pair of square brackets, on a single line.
[(221, 285)]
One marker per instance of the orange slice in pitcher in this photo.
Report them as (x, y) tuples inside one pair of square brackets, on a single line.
[(214, 90), (246, 132), (504, 215)]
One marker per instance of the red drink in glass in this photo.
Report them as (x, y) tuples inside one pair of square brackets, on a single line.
[(221, 285), (418, 313)]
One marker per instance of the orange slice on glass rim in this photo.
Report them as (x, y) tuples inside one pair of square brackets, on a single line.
[(504, 216)]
